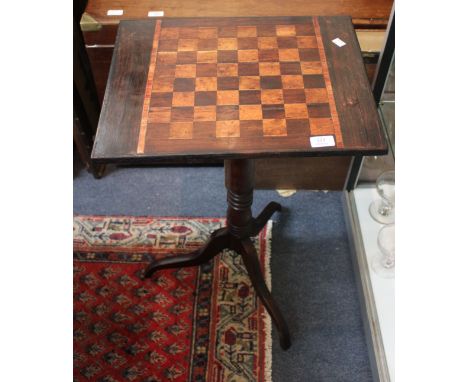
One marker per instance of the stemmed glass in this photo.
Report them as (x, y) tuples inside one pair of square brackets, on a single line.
[(383, 263), (383, 210)]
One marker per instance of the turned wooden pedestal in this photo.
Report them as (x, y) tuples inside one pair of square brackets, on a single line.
[(241, 226)]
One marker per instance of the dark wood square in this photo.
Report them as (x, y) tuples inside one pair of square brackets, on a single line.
[(249, 97), (271, 82), (184, 84), (228, 83), (318, 110), (314, 81), (309, 55), (227, 56), (182, 114), (248, 69), (273, 111), (227, 112), (205, 98)]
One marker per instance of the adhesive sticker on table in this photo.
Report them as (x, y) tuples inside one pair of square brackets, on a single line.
[(322, 141), (339, 42), (115, 12), (155, 13)]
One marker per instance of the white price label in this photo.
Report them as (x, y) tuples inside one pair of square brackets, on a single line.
[(339, 42), (155, 13), (115, 12), (322, 141)]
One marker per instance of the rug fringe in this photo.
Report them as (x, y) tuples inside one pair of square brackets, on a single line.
[(266, 317)]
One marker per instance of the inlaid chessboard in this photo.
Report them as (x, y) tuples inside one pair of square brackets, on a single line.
[(229, 86)]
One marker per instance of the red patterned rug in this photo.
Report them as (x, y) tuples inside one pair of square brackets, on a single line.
[(192, 324)]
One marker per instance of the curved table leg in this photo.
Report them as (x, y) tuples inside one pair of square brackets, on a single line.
[(260, 221), (250, 258), (218, 241)]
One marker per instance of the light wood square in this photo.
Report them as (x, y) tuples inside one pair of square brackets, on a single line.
[(210, 56), (163, 84), (317, 95), (183, 99), (227, 43), (206, 83), (250, 112), (249, 82), (205, 113), (167, 58), (181, 130), (311, 67), (246, 31), (321, 126), (296, 111), (274, 127), (169, 33), (227, 129), (227, 97), (292, 82), (250, 55), (207, 32), (267, 43), (187, 44), (227, 70), (269, 68), (159, 115), (272, 97), (185, 71), (287, 55), (285, 30)]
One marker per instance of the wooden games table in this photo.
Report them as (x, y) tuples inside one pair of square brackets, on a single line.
[(236, 89)]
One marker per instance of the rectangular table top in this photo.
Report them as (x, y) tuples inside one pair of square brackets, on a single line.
[(236, 88)]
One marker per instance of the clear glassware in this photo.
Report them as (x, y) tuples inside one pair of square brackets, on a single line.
[(383, 209), (383, 264)]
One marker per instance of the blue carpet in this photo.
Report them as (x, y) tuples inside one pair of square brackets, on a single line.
[(312, 274)]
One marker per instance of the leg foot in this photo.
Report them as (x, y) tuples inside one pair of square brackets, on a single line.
[(250, 258), (218, 241), (260, 221)]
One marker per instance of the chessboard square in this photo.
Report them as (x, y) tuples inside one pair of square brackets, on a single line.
[(205, 113), (227, 43), (157, 131), (207, 70), (163, 84), (165, 71), (309, 55), (307, 42), (161, 99), (305, 30), (270, 82), (249, 97), (169, 33), (205, 98), (207, 32), (267, 43), (273, 111), (227, 129), (206, 83), (208, 44), (266, 30), (181, 130), (290, 68), (159, 115), (269, 68), (167, 45), (184, 84), (186, 58), (247, 43), (288, 55), (313, 81), (285, 30), (294, 96), (227, 56), (188, 44), (250, 112), (319, 110), (183, 99), (227, 70), (185, 70), (166, 58), (249, 83), (287, 42), (311, 67), (228, 83), (318, 95), (321, 126), (296, 111), (251, 128), (204, 130), (246, 31), (298, 127), (227, 97), (186, 32), (292, 82), (226, 31), (248, 69), (227, 112), (274, 128), (248, 55), (182, 114), (268, 55), (208, 56), (272, 97)]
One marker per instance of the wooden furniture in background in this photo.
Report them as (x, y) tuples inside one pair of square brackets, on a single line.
[(236, 89)]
